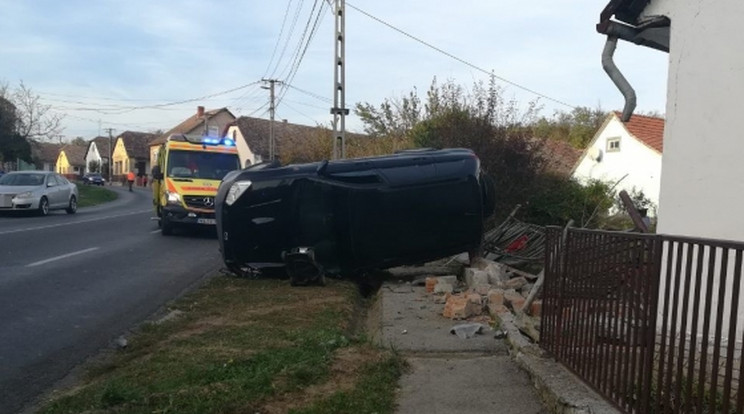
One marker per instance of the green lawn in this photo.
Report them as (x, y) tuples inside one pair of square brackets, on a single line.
[(246, 346), (91, 195)]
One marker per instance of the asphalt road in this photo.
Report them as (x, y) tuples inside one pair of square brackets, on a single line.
[(71, 284)]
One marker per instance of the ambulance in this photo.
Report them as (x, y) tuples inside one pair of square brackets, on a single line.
[(186, 177)]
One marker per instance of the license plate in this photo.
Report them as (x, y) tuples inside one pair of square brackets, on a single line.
[(206, 221)]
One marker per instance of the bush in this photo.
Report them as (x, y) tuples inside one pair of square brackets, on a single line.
[(554, 200)]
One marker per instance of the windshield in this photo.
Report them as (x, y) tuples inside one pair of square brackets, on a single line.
[(22, 179), (207, 165)]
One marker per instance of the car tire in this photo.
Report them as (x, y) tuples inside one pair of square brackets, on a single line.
[(72, 206), (166, 227), (43, 206)]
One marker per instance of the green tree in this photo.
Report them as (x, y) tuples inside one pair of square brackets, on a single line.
[(576, 127), (79, 141), (94, 166), (12, 145)]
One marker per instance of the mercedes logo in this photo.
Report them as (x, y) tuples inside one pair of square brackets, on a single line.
[(208, 202)]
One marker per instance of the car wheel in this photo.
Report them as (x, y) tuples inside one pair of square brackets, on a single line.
[(72, 207), (166, 227), (43, 206)]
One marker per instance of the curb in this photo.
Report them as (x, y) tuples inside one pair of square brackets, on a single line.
[(562, 392)]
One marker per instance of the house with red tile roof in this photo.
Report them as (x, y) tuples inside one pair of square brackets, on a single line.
[(627, 154), (560, 156)]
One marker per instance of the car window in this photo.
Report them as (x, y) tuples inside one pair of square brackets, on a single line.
[(22, 179), (61, 180), (51, 181)]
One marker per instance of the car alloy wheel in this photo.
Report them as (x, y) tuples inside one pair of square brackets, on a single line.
[(43, 206), (72, 207)]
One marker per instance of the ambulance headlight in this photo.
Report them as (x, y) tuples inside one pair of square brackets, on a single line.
[(173, 198)]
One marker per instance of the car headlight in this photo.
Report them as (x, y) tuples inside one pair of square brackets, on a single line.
[(237, 190), (173, 198), (27, 194)]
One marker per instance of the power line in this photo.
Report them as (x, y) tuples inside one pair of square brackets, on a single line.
[(289, 37), (314, 95), (278, 39), (299, 112), (201, 98), (258, 109), (324, 108), (297, 49), (463, 61), (313, 31), (99, 98)]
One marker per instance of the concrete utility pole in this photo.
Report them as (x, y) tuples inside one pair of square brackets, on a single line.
[(339, 110), (272, 141), (110, 154)]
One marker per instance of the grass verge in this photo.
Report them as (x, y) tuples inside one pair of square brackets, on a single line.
[(91, 195), (239, 345)]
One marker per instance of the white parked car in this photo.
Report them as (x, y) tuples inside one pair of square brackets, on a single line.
[(38, 191)]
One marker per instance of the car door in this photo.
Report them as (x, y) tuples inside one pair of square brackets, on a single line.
[(65, 189), (53, 191)]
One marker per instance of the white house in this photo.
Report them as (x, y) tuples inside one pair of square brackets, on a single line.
[(98, 152), (627, 154)]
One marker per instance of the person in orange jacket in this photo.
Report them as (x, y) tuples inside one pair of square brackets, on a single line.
[(130, 179)]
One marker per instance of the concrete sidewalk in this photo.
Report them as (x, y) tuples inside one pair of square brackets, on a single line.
[(481, 374), (448, 374)]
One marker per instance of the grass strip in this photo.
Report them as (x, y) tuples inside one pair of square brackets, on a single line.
[(91, 195), (239, 345)]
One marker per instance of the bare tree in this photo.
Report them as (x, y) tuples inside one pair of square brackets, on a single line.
[(35, 120)]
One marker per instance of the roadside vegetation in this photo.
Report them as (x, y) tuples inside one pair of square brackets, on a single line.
[(509, 139), (91, 195), (239, 345)]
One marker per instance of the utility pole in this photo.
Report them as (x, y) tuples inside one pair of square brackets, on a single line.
[(339, 110), (110, 155), (272, 142)]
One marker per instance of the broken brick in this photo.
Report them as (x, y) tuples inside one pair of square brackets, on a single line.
[(496, 296)]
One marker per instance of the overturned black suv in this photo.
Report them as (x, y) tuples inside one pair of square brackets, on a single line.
[(350, 216)]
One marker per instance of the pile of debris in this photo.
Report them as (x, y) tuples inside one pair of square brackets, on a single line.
[(486, 291)]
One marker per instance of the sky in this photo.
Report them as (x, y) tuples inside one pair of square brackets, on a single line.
[(146, 65)]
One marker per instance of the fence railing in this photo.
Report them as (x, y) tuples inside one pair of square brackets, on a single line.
[(651, 322)]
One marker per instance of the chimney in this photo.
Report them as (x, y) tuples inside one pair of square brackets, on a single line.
[(199, 111)]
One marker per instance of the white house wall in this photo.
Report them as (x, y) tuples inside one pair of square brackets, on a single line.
[(639, 161), (247, 157), (702, 186), (93, 155)]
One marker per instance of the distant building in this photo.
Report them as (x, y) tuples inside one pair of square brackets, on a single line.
[(131, 154), (43, 155), (71, 161), (627, 154), (99, 152)]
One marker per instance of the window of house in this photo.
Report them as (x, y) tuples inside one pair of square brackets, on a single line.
[(613, 144)]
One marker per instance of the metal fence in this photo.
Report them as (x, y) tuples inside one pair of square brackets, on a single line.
[(651, 322)]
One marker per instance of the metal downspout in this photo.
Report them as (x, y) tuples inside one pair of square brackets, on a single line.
[(617, 78)]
